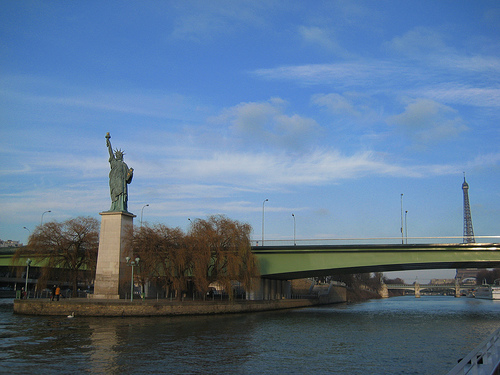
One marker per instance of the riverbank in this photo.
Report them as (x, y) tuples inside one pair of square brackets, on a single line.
[(152, 307), (87, 307)]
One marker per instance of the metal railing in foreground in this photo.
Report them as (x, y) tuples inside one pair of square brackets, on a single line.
[(373, 241), (483, 360)]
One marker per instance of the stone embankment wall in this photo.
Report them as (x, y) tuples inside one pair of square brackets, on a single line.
[(92, 307)]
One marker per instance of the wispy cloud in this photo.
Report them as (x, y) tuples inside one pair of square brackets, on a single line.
[(199, 21), (236, 170), (419, 43), (268, 123), (462, 94), (56, 94), (338, 104), (323, 38), (343, 75), (427, 121)]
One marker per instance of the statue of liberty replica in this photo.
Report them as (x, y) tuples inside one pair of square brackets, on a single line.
[(112, 271), (119, 176)]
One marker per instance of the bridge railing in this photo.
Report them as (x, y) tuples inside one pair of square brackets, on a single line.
[(372, 241), (484, 359)]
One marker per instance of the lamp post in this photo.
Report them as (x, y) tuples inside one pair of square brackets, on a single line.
[(294, 230), (402, 236), (142, 209), (266, 200), (41, 220), (406, 227), (132, 263), (28, 262)]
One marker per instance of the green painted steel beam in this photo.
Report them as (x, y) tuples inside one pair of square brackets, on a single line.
[(294, 262)]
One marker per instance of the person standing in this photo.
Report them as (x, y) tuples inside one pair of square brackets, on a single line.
[(53, 293), (58, 292)]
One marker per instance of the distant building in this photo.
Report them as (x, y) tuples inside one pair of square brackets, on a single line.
[(466, 273), (10, 243), (442, 281)]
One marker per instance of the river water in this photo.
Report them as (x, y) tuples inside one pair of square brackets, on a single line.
[(401, 335)]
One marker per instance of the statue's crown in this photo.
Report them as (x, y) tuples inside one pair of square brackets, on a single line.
[(119, 153)]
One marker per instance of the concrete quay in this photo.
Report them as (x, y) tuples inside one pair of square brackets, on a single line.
[(323, 295), (121, 308)]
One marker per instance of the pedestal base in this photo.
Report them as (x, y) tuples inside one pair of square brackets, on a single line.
[(103, 296), (111, 265)]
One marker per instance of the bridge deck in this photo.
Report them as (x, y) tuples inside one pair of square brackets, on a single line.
[(291, 262)]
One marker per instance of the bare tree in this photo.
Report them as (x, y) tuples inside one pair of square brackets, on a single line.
[(64, 249), (215, 250), (221, 253), (165, 258)]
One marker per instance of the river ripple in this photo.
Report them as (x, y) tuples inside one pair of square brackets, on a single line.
[(402, 335)]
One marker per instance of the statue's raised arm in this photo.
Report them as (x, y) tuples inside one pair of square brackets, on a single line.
[(108, 144), (119, 176)]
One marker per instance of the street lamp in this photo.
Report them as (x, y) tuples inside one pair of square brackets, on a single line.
[(41, 220), (142, 209), (294, 227), (406, 227), (28, 262), (402, 237), (266, 200), (132, 263)]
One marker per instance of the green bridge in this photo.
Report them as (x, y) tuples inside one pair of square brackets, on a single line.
[(301, 261)]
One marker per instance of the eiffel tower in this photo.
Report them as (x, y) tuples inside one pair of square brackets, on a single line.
[(468, 234), (468, 230)]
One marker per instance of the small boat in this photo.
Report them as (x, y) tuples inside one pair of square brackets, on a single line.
[(487, 291)]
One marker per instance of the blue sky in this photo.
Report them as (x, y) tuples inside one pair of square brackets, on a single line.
[(329, 109)]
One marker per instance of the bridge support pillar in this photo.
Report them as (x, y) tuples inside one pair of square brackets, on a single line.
[(269, 289), (384, 291), (457, 289), (417, 290)]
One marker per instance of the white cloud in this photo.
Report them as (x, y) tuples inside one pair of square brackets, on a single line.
[(323, 38), (52, 96), (419, 43), (462, 94), (371, 75), (199, 21), (267, 123), (426, 121), (248, 171), (337, 104)]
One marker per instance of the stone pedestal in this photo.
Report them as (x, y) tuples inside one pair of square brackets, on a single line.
[(111, 272)]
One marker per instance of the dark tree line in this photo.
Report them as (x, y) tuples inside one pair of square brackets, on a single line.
[(66, 250), (214, 250)]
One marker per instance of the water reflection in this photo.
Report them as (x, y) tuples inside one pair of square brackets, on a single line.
[(399, 335), (103, 344), (170, 343)]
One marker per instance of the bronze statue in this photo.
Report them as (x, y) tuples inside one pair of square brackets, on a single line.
[(119, 176)]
